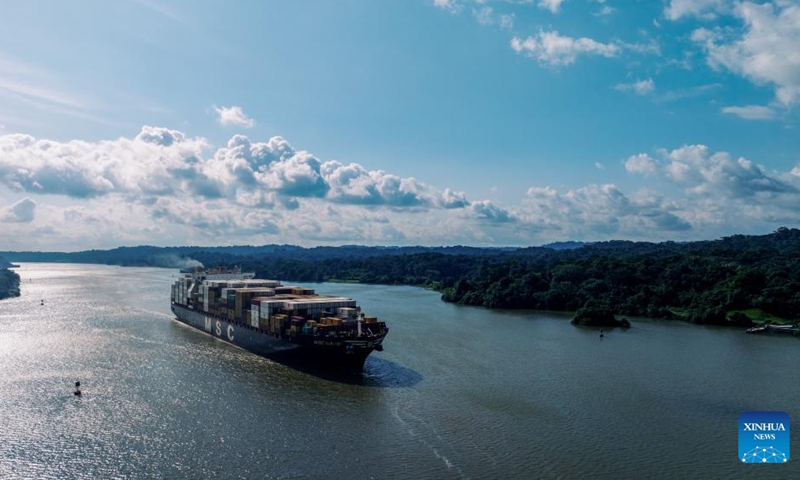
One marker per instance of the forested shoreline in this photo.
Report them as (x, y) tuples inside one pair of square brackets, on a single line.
[(9, 281), (731, 281)]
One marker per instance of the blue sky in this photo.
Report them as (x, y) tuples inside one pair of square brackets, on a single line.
[(480, 122)]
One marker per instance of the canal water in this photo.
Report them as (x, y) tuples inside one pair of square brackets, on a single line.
[(459, 392)]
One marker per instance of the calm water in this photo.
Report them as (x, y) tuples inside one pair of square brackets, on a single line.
[(459, 392)]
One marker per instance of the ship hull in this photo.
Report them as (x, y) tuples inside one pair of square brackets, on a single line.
[(313, 351)]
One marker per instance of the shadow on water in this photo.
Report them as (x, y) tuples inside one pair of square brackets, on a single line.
[(377, 373)]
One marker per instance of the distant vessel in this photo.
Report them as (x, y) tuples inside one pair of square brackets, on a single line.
[(791, 329), (276, 321)]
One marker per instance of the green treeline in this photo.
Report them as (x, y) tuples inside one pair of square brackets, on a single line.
[(702, 282), (434, 270), (9, 281), (732, 280), (708, 282)]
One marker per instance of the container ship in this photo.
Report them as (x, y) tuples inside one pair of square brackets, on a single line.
[(276, 321)]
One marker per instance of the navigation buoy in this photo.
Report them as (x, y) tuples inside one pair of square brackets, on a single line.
[(601, 333), (77, 389)]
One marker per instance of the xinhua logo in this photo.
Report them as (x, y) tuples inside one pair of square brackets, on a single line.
[(764, 437)]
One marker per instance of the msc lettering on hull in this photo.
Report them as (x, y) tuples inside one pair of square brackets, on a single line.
[(218, 329)]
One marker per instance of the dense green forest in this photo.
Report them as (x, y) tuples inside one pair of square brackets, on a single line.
[(732, 280), (9, 281), (713, 282), (726, 281)]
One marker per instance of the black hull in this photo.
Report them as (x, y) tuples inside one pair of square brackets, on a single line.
[(334, 355)]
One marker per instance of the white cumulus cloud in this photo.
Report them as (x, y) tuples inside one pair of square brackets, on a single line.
[(552, 5), (558, 50), (488, 210), (233, 115), (766, 50), (146, 164), (165, 187), (717, 174), (243, 187), (677, 9), (641, 163), (599, 211), (164, 162), (22, 211)]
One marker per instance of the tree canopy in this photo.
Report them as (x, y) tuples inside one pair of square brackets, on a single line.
[(713, 282)]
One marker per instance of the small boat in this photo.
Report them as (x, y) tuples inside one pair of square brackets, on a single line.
[(773, 329), (756, 330)]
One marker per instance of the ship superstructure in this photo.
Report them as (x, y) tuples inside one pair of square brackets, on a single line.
[(274, 320)]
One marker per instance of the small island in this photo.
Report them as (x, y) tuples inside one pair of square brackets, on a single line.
[(595, 315)]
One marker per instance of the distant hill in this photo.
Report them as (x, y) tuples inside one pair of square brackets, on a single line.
[(566, 245), (178, 257)]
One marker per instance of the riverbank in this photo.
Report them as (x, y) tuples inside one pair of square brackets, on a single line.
[(9, 283)]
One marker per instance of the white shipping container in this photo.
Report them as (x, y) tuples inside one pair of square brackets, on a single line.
[(269, 306)]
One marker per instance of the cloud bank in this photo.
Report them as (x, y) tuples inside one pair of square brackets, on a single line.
[(165, 187)]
